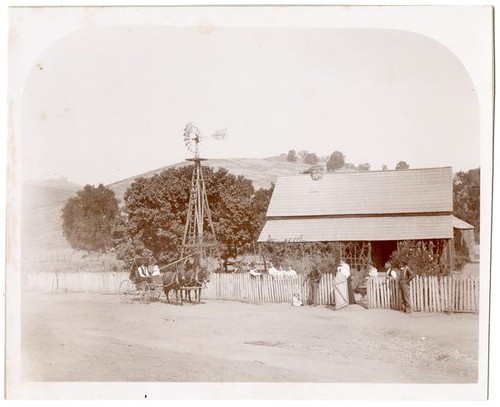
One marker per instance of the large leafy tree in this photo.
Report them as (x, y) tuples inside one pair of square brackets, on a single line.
[(89, 217), (156, 207), (466, 198)]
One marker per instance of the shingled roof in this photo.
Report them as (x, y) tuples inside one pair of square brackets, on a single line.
[(361, 193), (377, 205)]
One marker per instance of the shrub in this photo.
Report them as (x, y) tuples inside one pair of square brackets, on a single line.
[(423, 257), (302, 255)]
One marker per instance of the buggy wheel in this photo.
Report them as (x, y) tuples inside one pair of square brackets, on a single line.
[(145, 292), (156, 293), (126, 290)]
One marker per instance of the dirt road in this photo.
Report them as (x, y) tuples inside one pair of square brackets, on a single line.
[(92, 337)]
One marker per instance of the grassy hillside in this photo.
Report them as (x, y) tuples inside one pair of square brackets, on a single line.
[(41, 222), (262, 171)]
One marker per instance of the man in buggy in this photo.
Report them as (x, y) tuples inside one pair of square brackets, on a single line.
[(141, 272)]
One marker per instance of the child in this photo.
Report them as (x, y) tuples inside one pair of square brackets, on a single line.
[(296, 301)]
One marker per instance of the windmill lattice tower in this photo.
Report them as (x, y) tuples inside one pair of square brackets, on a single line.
[(198, 209)]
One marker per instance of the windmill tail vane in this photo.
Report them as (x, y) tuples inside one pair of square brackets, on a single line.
[(220, 134)]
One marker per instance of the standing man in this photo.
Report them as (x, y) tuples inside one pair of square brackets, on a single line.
[(406, 275), (314, 277)]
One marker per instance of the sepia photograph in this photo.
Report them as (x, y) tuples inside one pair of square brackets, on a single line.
[(234, 202)]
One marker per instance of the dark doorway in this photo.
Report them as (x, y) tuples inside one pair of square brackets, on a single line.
[(381, 252)]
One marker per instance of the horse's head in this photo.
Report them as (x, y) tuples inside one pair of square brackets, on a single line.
[(204, 275), (180, 275), (213, 265)]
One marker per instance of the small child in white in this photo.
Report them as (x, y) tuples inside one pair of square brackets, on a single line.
[(296, 301)]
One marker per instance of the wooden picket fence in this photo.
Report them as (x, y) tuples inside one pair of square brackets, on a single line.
[(238, 287), (427, 294), (266, 288), (106, 283)]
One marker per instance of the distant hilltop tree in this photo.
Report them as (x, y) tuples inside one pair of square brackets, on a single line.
[(364, 167), (89, 218), (292, 156), (303, 154), (336, 161), (402, 165), (311, 158)]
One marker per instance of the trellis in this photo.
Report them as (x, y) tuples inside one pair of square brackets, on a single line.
[(356, 254)]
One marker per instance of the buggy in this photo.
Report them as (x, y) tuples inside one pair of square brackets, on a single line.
[(142, 289)]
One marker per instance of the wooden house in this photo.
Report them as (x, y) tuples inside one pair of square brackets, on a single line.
[(369, 213)]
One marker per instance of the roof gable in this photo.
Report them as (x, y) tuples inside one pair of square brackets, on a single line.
[(460, 224), (427, 190)]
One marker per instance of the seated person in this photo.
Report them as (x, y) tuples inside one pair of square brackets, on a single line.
[(143, 273), (296, 301), (155, 274), (155, 271)]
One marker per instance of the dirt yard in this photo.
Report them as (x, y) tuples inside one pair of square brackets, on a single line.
[(96, 338)]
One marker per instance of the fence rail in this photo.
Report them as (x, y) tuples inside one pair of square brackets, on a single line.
[(427, 293)]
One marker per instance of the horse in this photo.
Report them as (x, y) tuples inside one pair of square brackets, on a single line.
[(172, 280), (195, 279)]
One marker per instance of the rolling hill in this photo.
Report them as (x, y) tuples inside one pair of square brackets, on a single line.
[(44, 200), (41, 224), (262, 171)]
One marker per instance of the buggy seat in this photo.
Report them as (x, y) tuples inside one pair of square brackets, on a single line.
[(135, 278)]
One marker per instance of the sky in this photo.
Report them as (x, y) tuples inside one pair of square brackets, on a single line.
[(107, 103)]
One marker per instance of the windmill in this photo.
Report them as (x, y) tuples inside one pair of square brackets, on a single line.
[(194, 241)]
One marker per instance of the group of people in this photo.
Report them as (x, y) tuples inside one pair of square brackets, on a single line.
[(278, 272), (403, 275), (147, 273), (272, 271), (314, 278)]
